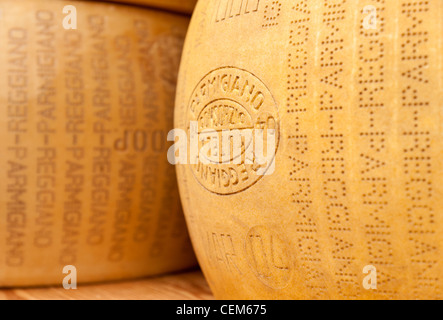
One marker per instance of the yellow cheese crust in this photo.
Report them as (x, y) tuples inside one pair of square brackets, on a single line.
[(84, 116), (357, 192)]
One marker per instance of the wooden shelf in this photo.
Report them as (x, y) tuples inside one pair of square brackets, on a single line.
[(186, 286)]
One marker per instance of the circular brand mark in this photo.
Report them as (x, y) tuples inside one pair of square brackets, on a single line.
[(227, 103)]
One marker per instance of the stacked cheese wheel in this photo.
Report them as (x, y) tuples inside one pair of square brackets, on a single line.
[(353, 93), (86, 101), (182, 6)]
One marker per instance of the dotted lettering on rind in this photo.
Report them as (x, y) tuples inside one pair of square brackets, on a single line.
[(372, 151), (272, 14), (415, 140), (333, 145), (307, 246)]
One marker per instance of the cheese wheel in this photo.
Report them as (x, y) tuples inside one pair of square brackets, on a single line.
[(183, 6), (352, 90), (84, 118)]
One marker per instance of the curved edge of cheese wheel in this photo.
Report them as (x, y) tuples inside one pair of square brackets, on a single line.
[(84, 115), (181, 6)]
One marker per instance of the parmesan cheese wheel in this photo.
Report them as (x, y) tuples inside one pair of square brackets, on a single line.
[(353, 92), (183, 6), (84, 116)]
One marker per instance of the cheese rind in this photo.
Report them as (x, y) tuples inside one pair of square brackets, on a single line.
[(356, 194), (84, 117)]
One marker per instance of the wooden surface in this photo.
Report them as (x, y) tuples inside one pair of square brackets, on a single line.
[(186, 286)]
